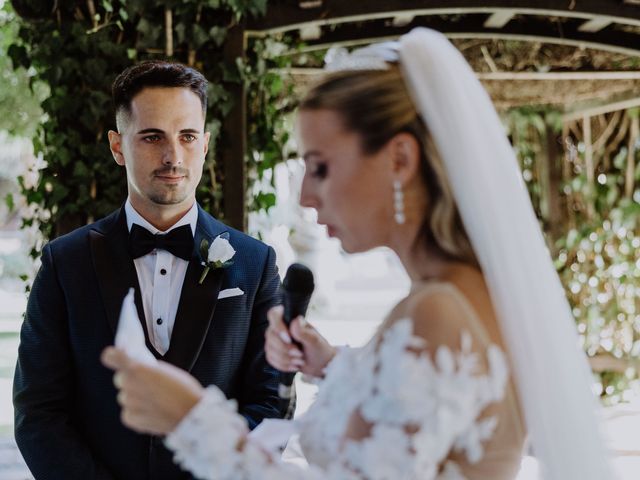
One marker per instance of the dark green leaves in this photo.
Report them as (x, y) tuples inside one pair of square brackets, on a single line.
[(77, 56)]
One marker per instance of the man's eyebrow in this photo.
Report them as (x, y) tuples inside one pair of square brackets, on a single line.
[(150, 130), (157, 130)]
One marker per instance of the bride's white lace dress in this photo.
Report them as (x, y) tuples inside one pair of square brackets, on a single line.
[(399, 408)]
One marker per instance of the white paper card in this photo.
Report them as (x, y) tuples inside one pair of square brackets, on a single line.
[(273, 433), (129, 335)]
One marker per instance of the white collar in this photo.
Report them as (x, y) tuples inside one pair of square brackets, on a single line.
[(189, 218)]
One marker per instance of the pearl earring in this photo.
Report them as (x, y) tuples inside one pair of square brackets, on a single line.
[(398, 202)]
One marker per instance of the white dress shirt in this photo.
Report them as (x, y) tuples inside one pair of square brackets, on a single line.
[(161, 275)]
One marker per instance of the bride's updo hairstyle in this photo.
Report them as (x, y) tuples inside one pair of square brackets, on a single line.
[(376, 105)]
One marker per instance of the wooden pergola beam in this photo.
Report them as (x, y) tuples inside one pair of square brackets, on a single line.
[(499, 19), (514, 76), (595, 24), (536, 29), (601, 109), (287, 15), (559, 76)]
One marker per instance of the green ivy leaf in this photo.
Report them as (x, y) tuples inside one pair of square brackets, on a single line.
[(218, 35), (9, 201), (200, 36), (265, 201)]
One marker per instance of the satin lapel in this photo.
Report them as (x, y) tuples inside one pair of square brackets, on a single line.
[(197, 303), (116, 272)]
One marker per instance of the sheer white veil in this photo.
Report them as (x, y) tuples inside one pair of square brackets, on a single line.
[(551, 373)]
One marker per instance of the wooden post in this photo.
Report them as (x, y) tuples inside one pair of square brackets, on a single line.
[(234, 131), (588, 164), (168, 32), (554, 170), (542, 170), (568, 150), (629, 183)]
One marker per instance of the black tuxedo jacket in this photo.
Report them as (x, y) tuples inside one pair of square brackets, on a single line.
[(67, 421)]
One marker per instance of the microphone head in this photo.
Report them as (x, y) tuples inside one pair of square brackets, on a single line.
[(299, 279)]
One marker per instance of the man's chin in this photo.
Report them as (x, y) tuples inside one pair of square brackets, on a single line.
[(168, 199)]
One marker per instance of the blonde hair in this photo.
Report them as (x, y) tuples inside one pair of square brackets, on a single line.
[(376, 105)]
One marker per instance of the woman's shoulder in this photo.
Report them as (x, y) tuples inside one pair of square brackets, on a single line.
[(457, 302)]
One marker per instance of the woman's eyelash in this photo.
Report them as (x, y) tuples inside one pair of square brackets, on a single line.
[(320, 171)]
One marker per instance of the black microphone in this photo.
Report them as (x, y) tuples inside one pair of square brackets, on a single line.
[(297, 289)]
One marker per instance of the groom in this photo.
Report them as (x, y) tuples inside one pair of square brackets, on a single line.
[(67, 421)]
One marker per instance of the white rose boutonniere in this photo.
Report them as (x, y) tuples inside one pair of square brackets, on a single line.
[(216, 255)]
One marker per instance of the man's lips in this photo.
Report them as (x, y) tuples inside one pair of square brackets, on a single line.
[(170, 178)]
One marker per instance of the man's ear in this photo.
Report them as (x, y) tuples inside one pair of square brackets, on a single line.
[(207, 137), (405, 157), (115, 144)]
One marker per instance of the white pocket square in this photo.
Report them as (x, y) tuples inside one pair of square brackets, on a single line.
[(230, 292)]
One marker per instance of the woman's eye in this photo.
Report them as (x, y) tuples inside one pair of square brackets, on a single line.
[(320, 171)]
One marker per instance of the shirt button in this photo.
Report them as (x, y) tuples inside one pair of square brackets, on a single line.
[(159, 321), (163, 272)]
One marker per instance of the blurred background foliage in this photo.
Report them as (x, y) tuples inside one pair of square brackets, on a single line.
[(593, 233), (20, 93), (77, 48)]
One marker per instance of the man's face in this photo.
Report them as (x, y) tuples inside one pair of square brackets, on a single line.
[(162, 145)]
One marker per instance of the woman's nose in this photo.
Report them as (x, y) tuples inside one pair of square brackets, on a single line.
[(308, 196)]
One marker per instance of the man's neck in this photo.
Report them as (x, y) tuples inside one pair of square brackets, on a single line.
[(162, 217)]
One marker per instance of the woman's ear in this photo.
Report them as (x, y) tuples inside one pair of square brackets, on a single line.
[(405, 157)]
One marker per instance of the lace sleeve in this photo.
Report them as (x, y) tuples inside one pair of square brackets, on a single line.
[(422, 407), (211, 442), (419, 407)]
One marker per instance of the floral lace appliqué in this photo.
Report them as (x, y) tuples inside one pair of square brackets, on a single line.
[(421, 407)]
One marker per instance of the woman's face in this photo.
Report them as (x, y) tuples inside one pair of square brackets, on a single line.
[(351, 191)]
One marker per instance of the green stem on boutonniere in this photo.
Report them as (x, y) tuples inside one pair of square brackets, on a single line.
[(204, 274)]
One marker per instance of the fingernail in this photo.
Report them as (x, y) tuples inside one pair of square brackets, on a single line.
[(303, 321), (294, 352), (117, 380), (297, 362), (285, 337)]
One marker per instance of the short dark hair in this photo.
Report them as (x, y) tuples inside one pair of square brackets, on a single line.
[(156, 73)]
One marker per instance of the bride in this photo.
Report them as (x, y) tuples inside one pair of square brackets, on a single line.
[(404, 149)]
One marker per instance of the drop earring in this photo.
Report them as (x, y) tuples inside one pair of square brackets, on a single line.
[(398, 202)]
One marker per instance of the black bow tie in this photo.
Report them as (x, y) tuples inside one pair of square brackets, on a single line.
[(178, 241)]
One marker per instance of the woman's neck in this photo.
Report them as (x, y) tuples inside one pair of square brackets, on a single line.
[(422, 263)]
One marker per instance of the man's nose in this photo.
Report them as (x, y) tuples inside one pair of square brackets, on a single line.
[(172, 154)]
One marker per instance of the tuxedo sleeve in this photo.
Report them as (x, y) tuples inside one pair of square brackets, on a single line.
[(258, 393), (43, 387)]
